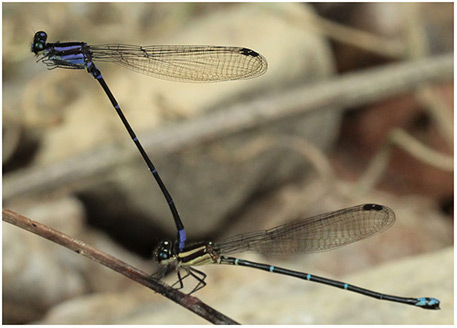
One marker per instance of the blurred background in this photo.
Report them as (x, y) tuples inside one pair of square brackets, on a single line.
[(69, 163)]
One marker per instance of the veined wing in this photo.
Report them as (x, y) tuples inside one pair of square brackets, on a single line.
[(185, 63), (315, 234)]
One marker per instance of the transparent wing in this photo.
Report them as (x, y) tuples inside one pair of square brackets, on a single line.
[(315, 234), (185, 63)]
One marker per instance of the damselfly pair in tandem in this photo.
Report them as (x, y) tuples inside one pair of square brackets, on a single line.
[(210, 64)]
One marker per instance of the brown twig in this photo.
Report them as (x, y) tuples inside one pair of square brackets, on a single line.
[(364, 40), (400, 138), (189, 302)]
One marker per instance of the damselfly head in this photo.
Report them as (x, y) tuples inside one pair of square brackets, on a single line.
[(39, 42), (164, 251)]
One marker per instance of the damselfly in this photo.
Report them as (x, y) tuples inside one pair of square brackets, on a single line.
[(174, 62), (209, 64), (315, 234)]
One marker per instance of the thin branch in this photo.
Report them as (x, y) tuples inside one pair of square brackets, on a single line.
[(438, 110), (401, 139), (189, 302), (368, 41), (420, 151)]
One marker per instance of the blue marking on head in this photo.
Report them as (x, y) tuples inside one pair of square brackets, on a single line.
[(345, 286), (308, 276), (272, 268), (236, 261)]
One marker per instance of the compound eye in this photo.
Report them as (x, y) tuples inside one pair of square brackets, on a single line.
[(163, 256), (41, 36), (163, 251), (39, 42)]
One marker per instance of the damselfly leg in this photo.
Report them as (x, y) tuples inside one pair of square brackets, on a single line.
[(198, 275)]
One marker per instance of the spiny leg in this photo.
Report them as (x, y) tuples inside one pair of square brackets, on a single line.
[(201, 279), (180, 279), (198, 275)]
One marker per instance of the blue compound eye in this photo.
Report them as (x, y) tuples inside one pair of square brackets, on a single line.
[(163, 256), (163, 251), (39, 42)]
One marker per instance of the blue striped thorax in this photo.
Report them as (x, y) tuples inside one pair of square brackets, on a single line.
[(75, 55)]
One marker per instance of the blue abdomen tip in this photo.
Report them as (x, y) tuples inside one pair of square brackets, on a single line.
[(428, 303)]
